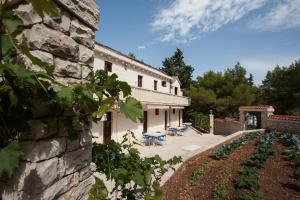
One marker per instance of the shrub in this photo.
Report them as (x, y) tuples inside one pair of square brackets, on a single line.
[(220, 191), (249, 196), (98, 191)]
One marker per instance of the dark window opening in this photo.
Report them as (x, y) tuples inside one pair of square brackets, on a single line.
[(108, 66), (164, 83), (176, 90), (155, 85), (173, 110), (140, 81), (156, 111)]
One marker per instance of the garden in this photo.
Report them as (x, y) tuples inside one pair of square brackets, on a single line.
[(254, 166)]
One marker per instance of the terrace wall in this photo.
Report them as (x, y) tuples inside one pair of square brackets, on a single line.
[(52, 166), (227, 126), (283, 123)]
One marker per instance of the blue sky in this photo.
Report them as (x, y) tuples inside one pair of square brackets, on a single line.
[(213, 35)]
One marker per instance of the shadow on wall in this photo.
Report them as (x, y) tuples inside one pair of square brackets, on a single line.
[(227, 126)]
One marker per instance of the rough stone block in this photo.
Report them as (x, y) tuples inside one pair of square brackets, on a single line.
[(80, 192), (61, 23), (86, 55), (55, 42), (27, 14), (85, 173), (66, 68), (85, 71), (41, 150), (86, 10), (82, 34), (40, 129), (60, 187), (76, 160), (86, 138)]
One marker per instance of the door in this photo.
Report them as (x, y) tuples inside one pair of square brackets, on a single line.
[(145, 126), (179, 115), (166, 119), (107, 128)]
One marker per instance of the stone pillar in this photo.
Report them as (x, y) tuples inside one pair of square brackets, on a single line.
[(52, 166), (242, 119), (211, 122)]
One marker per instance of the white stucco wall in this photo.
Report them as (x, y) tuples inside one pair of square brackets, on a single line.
[(156, 122)]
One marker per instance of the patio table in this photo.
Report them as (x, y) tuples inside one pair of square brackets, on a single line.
[(154, 135)]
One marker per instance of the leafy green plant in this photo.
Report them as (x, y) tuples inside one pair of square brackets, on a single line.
[(196, 175), (248, 179), (199, 120), (249, 196), (228, 148), (98, 191), (220, 191), (134, 176), (22, 88)]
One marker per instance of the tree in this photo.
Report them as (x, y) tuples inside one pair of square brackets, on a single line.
[(131, 55), (222, 92), (281, 89), (175, 66), (250, 79)]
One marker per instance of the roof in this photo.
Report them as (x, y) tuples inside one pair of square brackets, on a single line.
[(285, 117), (122, 54), (263, 107)]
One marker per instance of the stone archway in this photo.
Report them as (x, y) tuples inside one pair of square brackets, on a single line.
[(255, 117)]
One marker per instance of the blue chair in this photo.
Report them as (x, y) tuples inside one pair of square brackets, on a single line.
[(161, 139), (173, 131), (148, 140)]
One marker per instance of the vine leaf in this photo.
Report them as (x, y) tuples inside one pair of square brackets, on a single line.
[(12, 24), (45, 7), (104, 107), (9, 158), (132, 109), (6, 44), (65, 96)]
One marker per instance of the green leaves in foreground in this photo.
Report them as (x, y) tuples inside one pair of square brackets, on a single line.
[(132, 109), (9, 158), (45, 7)]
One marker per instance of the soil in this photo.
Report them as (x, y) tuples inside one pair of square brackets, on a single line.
[(276, 179), (179, 187)]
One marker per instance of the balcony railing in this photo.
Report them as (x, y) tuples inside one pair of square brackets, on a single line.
[(154, 97)]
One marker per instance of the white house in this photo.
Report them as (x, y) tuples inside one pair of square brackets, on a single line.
[(160, 95)]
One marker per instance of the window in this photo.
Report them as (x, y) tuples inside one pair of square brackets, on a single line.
[(140, 81), (108, 66), (176, 90), (156, 111), (173, 110), (164, 83), (155, 85)]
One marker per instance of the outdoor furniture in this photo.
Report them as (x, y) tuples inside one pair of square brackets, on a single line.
[(187, 124), (148, 140), (157, 138), (172, 131)]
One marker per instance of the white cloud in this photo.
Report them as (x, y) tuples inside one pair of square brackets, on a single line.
[(184, 19), (141, 47), (284, 15), (260, 66)]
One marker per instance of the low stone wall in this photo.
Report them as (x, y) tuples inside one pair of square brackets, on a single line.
[(227, 126), (283, 125), (53, 166)]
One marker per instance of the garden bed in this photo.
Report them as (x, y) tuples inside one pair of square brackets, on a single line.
[(203, 177)]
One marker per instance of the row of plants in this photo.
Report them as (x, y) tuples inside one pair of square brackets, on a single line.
[(196, 175), (220, 190), (292, 143), (226, 149), (248, 179)]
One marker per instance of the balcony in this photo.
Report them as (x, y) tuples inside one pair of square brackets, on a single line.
[(154, 97)]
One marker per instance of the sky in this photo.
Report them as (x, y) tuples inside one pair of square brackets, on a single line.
[(213, 34)]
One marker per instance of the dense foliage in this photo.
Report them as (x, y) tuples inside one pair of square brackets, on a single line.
[(222, 92), (175, 66), (22, 88), (226, 149), (281, 89), (135, 177)]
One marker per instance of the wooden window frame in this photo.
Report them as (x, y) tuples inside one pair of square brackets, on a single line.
[(140, 81), (155, 85), (156, 111), (174, 111), (107, 66), (164, 83), (176, 90)]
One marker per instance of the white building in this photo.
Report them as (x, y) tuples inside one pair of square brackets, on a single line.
[(160, 95)]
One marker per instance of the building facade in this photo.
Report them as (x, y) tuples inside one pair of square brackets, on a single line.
[(161, 96)]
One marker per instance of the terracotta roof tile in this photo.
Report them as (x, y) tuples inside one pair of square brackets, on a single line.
[(255, 107), (285, 117)]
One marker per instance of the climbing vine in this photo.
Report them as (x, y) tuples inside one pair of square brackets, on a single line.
[(21, 88)]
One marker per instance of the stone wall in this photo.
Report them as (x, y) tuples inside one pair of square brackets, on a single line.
[(52, 166), (283, 125), (227, 126)]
